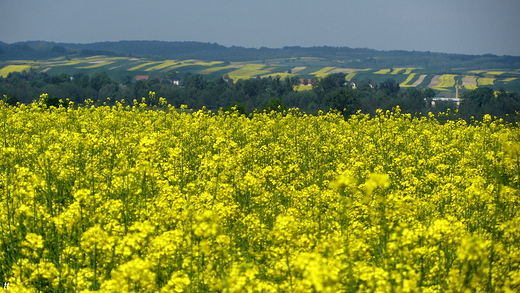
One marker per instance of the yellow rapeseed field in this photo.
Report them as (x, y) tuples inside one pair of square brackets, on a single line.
[(383, 71), (4, 72), (405, 83), (323, 71), (486, 81), (446, 80), (248, 71), (133, 198)]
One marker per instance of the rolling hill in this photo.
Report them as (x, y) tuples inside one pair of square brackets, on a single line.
[(439, 71)]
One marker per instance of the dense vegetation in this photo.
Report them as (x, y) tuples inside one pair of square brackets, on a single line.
[(197, 91), (114, 185), (137, 199)]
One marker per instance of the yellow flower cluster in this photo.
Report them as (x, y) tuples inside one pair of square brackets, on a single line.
[(127, 198)]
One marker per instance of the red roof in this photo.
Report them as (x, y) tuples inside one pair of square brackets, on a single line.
[(142, 77)]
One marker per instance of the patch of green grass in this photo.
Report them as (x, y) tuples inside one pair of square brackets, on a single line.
[(350, 76), (95, 65), (214, 69), (476, 71), (409, 70), (397, 70)]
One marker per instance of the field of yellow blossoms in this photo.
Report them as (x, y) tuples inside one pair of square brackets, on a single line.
[(131, 198)]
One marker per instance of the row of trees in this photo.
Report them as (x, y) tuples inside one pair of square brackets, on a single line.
[(330, 92)]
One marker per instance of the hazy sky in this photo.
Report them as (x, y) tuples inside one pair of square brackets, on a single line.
[(452, 26)]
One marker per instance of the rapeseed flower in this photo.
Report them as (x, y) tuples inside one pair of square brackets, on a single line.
[(139, 198)]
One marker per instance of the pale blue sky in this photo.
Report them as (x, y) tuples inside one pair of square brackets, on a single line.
[(452, 26)]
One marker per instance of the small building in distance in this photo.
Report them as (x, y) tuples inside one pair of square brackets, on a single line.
[(142, 77)]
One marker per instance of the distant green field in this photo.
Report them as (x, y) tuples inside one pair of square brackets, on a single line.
[(350, 76)]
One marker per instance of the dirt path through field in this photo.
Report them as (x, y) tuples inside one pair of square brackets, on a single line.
[(419, 80), (435, 81), (297, 69), (343, 70), (469, 80)]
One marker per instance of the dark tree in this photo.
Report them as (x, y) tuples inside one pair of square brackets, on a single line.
[(344, 99), (329, 83), (476, 102), (390, 86), (276, 105), (58, 49), (99, 80)]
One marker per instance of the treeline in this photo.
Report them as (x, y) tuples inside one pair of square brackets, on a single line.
[(274, 93)]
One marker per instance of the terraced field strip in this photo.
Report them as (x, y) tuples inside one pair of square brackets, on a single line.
[(486, 81), (510, 79), (397, 70), (298, 69), (13, 68), (383, 71), (140, 66), (350, 76), (96, 64), (477, 71), (202, 63), (343, 70), (248, 71), (419, 80), (323, 72), (210, 70), (64, 62), (435, 81), (447, 80), (163, 65), (408, 79), (469, 82), (496, 72)]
